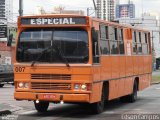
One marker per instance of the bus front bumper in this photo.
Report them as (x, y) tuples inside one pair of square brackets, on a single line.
[(52, 97)]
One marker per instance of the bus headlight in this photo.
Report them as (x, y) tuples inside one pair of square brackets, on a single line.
[(84, 87), (76, 86), (26, 85), (23, 85)]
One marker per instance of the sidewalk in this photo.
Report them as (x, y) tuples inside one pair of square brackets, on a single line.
[(6, 109), (156, 77)]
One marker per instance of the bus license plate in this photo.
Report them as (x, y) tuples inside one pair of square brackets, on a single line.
[(48, 96)]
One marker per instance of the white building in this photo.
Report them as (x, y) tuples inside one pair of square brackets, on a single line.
[(106, 9), (6, 8), (148, 22)]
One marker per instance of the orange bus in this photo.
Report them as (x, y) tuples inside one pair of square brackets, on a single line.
[(79, 59)]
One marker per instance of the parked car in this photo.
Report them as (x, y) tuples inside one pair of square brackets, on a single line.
[(6, 75)]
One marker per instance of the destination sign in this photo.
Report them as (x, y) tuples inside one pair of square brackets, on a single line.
[(53, 21)]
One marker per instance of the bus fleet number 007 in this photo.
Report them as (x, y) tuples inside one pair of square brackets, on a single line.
[(19, 69)]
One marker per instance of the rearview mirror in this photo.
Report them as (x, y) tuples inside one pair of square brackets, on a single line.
[(94, 35)]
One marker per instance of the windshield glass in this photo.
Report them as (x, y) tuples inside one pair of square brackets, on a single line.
[(51, 45)]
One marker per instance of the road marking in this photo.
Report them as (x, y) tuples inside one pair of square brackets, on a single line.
[(28, 112), (157, 88), (49, 118), (109, 112)]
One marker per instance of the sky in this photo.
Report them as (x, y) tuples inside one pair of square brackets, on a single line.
[(31, 5)]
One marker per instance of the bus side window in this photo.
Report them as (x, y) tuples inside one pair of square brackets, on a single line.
[(113, 41), (139, 44), (104, 41), (145, 48), (120, 40), (134, 43), (95, 44), (149, 43)]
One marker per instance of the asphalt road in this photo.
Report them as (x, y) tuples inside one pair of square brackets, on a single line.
[(148, 103)]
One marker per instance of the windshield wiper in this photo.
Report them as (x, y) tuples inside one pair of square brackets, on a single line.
[(42, 52), (61, 54)]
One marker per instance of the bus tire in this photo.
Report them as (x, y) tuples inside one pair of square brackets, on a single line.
[(1, 85), (41, 106), (98, 107), (133, 97)]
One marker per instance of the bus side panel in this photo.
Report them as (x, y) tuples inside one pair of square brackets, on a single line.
[(144, 81), (106, 68), (96, 92), (116, 91), (115, 66), (140, 61), (128, 85), (121, 89), (129, 66), (136, 67), (97, 85), (146, 64), (113, 89), (122, 64)]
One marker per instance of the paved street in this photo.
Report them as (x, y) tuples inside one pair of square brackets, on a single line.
[(148, 102)]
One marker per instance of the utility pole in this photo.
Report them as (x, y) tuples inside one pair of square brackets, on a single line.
[(20, 7), (94, 3)]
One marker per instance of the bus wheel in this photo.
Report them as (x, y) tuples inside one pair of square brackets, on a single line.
[(133, 97), (1, 85), (41, 106), (98, 107)]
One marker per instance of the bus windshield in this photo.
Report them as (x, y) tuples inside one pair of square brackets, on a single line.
[(53, 45)]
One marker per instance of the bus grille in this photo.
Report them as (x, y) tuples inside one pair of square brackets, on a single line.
[(51, 76), (51, 86)]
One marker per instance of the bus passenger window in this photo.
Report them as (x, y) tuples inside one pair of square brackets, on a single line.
[(104, 42), (146, 38), (120, 41), (140, 40), (111, 33), (134, 42), (113, 42), (105, 47), (144, 43), (139, 44), (115, 33), (134, 36), (114, 47)]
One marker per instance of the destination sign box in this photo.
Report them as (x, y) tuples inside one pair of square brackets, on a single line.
[(53, 21), (3, 31)]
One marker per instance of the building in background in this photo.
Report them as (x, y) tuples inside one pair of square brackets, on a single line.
[(150, 23), (110, 10), (106, 9), (6, 22), (6, 8), (125, 10), (74, 12)]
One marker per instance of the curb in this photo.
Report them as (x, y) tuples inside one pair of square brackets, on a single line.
[(155, 83), (5, 112)]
